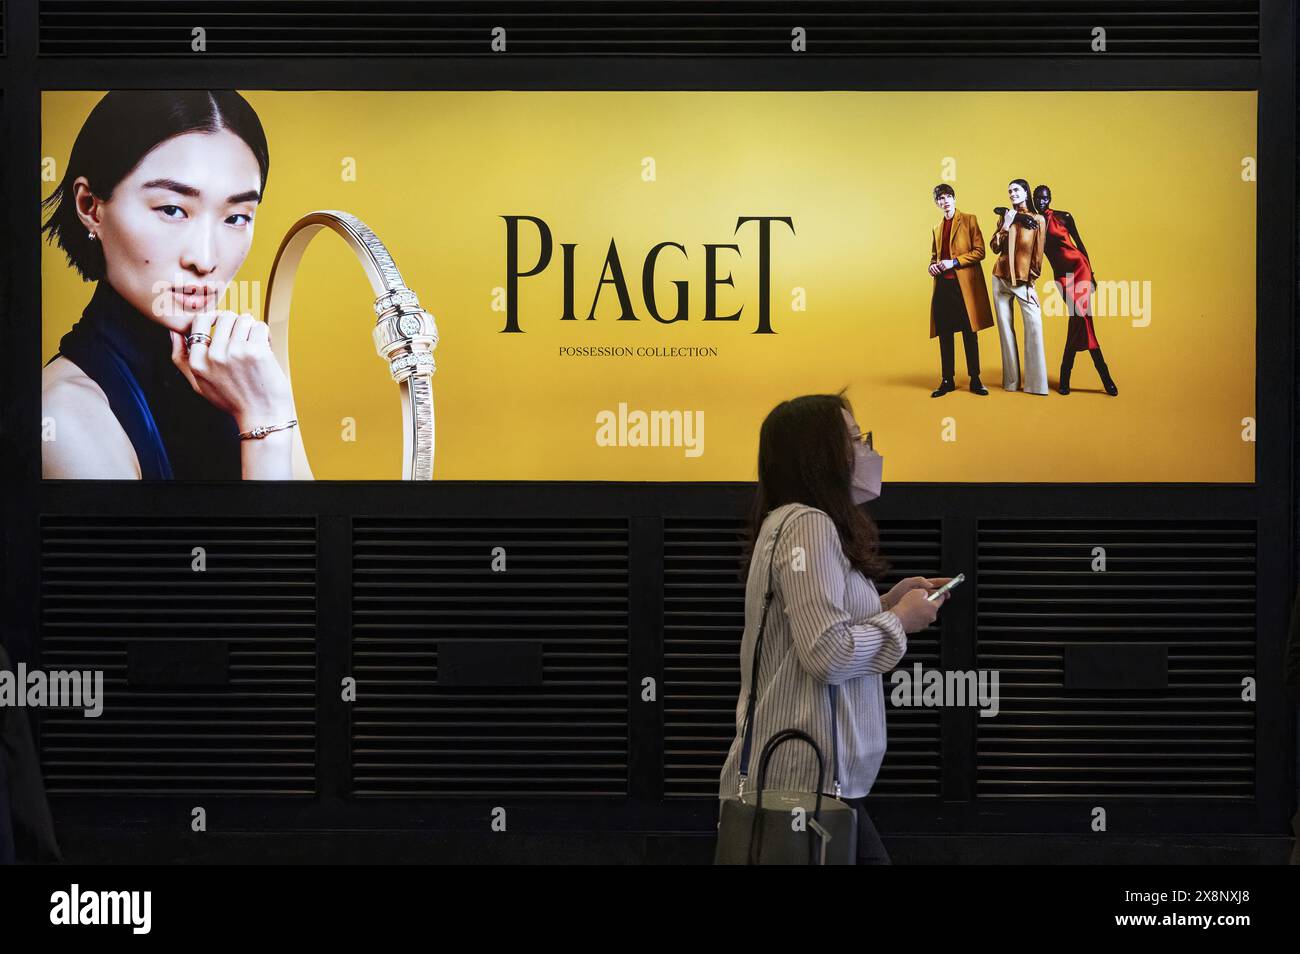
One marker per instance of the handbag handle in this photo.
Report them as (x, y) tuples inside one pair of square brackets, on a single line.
[(786, 735), (747, 744), (756, 829)]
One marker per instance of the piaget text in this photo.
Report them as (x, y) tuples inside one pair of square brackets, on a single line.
[(612, 273)]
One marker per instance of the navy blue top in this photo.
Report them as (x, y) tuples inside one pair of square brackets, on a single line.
[(176, 432)]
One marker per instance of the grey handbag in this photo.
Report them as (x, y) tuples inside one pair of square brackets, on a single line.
[(785, 827)]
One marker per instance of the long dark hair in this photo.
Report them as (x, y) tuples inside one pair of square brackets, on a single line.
[(804, 457), (124, 126)]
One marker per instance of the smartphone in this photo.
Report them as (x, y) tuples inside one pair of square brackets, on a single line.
[(946, 587)]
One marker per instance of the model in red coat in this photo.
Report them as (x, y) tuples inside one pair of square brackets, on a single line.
[(1073, 272)]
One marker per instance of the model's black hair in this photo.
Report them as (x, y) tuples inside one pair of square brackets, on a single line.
[(943, 189), (804, 456), (1029, 195), (122, 128)]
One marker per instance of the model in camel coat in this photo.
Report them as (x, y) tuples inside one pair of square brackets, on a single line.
[(966, 245)]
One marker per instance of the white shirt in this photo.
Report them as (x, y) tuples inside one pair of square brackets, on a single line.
[(824, 625)]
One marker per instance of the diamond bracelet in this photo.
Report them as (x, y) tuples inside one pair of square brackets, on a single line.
[(261, 430)]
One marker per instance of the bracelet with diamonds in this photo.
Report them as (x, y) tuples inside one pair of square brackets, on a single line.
[(261, 430)]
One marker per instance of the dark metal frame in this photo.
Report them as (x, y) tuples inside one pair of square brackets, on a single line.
[(1270, 501)]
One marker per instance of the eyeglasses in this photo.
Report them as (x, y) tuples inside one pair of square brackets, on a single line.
[(863, 438)]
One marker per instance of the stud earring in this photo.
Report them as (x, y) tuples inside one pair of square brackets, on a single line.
[(92, 236)]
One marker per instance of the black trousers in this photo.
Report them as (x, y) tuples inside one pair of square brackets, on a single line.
[(949, 309), (871, 850), (1067, 357), (946, 356)]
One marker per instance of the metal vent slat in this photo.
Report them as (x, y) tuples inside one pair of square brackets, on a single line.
[(1187, 585), (109, 581), (1160, 28), (420, 583), (704, 610)]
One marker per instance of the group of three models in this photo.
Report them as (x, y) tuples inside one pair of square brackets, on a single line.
[(960, 302)]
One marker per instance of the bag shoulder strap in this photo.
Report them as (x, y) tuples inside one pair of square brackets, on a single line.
[(831, 691)]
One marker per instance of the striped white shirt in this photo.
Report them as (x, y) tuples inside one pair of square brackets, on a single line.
[(824, 625)]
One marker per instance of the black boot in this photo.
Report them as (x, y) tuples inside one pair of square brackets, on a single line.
[(1067, 365), (976, 386), (946, 385), (1104, 371)]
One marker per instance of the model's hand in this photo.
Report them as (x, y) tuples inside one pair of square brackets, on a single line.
[(915, 612), (935, 269), (1007, 217), (1027, 221), (237, 371), (905, 585)]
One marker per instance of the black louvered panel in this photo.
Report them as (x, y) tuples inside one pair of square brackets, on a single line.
[(704, 615), (913, 759), (114, 589), (1186, 587), (703, 621), (619, 28), (549, 716)]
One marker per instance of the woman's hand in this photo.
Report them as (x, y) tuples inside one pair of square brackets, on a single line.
[(905, 585), (915, 612), (237, 371)]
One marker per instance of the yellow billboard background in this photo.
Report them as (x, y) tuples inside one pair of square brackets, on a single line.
[(1153, 179)]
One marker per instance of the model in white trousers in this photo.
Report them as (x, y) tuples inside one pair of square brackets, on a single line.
[(1031, 315)]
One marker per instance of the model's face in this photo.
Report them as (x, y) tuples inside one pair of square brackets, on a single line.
[(179, 225), (1016, 193), (1042, 198), (947, 203)]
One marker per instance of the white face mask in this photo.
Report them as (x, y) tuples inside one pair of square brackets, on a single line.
[(867, 465)]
